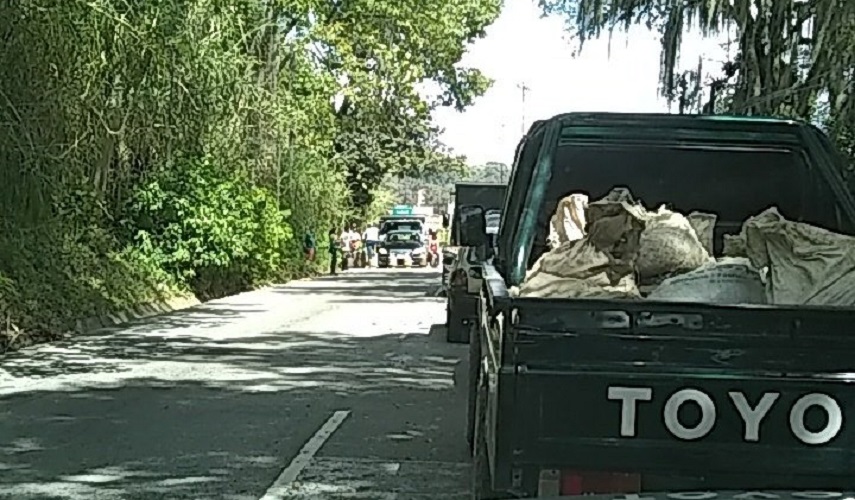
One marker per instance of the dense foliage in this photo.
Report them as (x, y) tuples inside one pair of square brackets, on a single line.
[(157, 146), (793, 58)]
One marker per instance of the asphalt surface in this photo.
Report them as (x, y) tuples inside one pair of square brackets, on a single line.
[(337, 388)]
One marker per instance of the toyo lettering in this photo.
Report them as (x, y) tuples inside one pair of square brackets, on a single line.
[(751, 413)]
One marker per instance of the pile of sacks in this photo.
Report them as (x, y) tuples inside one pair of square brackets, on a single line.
[(616, 248)]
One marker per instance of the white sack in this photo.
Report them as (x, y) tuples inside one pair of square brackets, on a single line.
[(669, 246), (728, 281), (807, 265), (734, 246), (704, 226), (547, 285), (568, 221), (598, 265)]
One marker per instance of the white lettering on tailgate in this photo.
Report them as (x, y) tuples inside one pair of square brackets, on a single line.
[(629, 396), (832, 412), (671, 414), (752, 415)]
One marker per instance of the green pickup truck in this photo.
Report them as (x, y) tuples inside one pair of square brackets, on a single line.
[(609, 396)]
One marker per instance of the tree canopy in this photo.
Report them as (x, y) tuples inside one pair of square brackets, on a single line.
[(794, 58), (437, 185)]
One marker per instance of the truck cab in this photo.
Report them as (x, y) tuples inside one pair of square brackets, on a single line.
[(608, 396)]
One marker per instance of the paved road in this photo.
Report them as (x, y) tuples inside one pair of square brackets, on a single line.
[(217, 402)]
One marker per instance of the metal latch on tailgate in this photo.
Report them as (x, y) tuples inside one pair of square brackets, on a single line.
[(689, 321)]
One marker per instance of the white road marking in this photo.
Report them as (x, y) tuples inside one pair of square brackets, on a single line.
[(280, 486)]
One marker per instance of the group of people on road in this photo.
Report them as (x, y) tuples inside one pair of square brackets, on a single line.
[(349, 241)]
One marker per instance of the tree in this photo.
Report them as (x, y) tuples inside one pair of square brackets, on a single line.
[(794, 58), (170, 146), (489, 172), (438, 183), (789, 52), (382, 51)]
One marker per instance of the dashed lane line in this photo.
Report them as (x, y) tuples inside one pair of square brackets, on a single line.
[(279, 488)]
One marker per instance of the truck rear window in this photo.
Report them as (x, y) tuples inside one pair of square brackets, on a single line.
[(733, 183)]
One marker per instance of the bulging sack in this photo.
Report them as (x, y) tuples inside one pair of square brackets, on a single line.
[(573, 259), (728, 281), (546, 285), (704, 226), (669, 246), (598, 265), (734, 246), (808, 265), (568, 221)]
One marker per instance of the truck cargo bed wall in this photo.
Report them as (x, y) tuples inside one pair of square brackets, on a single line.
[(653, 387)]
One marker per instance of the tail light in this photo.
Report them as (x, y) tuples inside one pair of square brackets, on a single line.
[(574, 482), (553, 482)]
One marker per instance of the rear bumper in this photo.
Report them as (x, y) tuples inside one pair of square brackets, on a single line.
[(386, 260)]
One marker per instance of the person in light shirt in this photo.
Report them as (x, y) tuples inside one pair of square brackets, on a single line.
[(353, 238), (371, 238), (344, 244), (354, 241)]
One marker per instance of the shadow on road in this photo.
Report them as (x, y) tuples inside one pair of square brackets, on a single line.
[(308, 361), (146, 404), (238, 339), (155, 478), (202, 384)]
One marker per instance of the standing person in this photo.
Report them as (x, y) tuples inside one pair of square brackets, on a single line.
[(372, 238), (354, 239), (309, 246), (334, 249), (433, 247), (344, 244)]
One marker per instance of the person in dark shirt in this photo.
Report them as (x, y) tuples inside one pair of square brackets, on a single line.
[(309, 246), (333, 249)]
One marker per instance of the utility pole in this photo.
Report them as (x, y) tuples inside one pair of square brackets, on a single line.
[(523, 88)]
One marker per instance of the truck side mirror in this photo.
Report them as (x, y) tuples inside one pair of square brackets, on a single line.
[(473, 226)]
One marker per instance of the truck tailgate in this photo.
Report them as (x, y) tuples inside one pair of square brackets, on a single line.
[(652, 387)]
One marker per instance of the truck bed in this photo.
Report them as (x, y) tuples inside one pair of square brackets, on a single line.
[(568, 366)]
